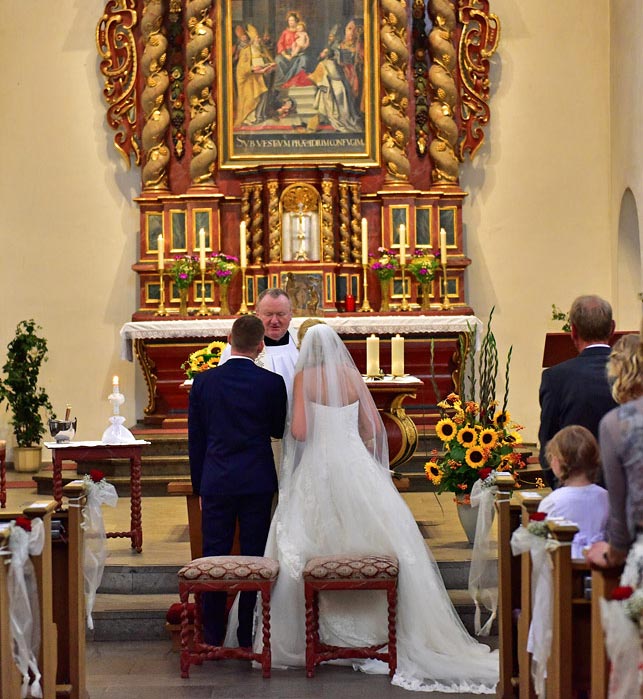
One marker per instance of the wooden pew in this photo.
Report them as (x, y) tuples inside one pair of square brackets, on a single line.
[(603, 583), (9, 676)]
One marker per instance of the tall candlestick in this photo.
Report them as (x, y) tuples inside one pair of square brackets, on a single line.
[(397, 355), (372, 355), (161, 251), (243, 260), (202, 250), (443, 246), (364, 242), (402, 244), (115, 387)]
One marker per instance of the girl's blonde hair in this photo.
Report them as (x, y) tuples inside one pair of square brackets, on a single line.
[(577, 451), (624, 368), (303, 328)]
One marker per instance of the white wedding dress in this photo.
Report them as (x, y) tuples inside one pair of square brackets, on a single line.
[(336, 496)]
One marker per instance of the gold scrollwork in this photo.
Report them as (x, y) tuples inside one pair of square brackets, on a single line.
[(117, 50)]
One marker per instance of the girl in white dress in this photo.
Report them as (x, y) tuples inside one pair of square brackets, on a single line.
[(336, 496)]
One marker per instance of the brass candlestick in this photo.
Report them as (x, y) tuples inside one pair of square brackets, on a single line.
[(161, 310), (366, 306), (203, 309), (243, 310), (445, 288), (404, 306)]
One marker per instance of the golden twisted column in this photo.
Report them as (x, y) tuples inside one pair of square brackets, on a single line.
[(274, 228), (203, 110), (443, 93), (344, 223), (356, 224), (257, 225), (156, 154), (395, 87), (328, 253)]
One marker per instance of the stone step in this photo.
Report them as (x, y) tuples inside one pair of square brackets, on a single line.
[(151, 486)]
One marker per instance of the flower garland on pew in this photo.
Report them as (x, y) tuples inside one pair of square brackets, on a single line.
[(99, 492), (27, 539)]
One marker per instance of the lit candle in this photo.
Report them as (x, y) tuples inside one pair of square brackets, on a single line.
[(443, 246), (243, 260), (397, 355), (115, 388), (161, 251), (372, 355), (364, 242), (202, 250), (402, 244)]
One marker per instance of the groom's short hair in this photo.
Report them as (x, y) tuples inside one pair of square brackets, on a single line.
[(246, 334)]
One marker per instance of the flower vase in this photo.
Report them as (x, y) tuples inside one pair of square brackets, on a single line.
[(385, 303), (223, 300), (467, 515), (425, 301), (183, 301)]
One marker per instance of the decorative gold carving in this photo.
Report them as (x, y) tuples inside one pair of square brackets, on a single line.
[(443, 93), (274, 225), (199, 91), (356, 224), (344, 222), (156, 154), (148, 367), (420, 75), (328, 247), (257, 225), (395, 101), (478, 42), (117, 50)]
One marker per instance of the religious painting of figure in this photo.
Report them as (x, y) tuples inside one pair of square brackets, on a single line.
[(299, 83)]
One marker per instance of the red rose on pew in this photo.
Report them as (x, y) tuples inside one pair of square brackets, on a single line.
[(24, 523), (623, 592), (485, 472), (538, 517), (96, 475)]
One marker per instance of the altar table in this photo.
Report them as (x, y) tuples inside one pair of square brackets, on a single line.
[(162, 346), (97, 451)]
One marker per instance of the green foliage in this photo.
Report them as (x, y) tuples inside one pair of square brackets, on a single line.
[(25, 355), (557, 314)]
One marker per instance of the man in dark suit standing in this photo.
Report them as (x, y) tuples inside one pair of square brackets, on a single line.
[(234, 411), (576, 392)]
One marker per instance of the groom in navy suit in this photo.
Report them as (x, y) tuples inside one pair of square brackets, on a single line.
[(576, 392), (234, 411)]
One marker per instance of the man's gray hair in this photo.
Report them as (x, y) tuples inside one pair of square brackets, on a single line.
[(592, 317), (273, 293)]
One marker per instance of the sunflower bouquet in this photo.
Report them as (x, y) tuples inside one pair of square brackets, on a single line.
[(203, 359), (478, 436)]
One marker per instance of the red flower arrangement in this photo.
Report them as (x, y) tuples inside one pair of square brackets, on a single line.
[(538, 516), (96, 475), (24, 523), (623, 592)]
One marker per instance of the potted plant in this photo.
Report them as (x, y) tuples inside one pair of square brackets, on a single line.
[(25, 355)]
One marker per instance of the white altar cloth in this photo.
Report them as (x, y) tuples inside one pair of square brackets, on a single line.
[(344, 325)]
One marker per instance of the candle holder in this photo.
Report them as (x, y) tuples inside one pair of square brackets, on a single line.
[(117, 433), (404, 306), (203, 309), (445, 288), (366, 306), (161, 310), (243, 309)]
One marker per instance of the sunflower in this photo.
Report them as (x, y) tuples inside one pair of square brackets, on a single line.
[(446, 429), (467, 436), (501, 419), (476, 457), (433, 472), (514, 438), (488, 438)]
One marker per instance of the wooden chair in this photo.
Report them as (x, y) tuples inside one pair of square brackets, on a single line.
[(229, 574), (349, 573)]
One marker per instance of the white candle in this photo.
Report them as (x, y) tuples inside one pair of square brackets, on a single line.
[(115, 388), (243, 260), (202, 250), (397, 355), (161, 251), (364, 242), (402, 244), (372, 355), (443, 246)]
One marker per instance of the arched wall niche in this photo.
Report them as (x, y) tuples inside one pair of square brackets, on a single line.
[(628, 263)]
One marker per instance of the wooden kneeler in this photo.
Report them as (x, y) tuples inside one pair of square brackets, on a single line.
[(349, 572), (229, 574)]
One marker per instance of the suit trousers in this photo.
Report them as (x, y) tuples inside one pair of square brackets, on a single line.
[(219, 514)]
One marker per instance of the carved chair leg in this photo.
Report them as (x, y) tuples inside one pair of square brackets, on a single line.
[(266, 655), (391, 594)]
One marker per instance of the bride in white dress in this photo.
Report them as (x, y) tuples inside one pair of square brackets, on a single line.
[(336, 496)]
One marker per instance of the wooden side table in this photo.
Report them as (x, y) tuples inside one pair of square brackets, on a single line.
[(97, 451)]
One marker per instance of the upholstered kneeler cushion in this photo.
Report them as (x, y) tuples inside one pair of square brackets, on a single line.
[(351, 568), (231, 568)]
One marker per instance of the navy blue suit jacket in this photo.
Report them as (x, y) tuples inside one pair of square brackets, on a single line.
[(575, 392), (234, 410)]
